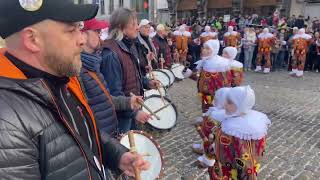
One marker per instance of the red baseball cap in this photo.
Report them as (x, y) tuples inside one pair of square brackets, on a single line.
[(94, 24)]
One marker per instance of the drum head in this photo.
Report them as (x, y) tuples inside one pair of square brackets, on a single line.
[(170, 74), (177, 71), (151, 92), (150, 150), (168, 115), (161, 76)]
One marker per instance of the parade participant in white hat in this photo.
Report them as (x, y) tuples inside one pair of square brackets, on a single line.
[(207, 35), (301, 42), (239, 138), (231, 38), (182, 38), (214, 73), (236, 67), (265, 41)]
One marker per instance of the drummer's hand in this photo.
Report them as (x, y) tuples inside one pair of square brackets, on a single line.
[(143, 117), (134, 102), (129, 160), (150, 56), (154, 84)]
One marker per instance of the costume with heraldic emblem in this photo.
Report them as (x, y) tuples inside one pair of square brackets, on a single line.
[(265, 42), (236, 67), (182, 38), (239, 138), (231, 38), (301, 41), (214, 74)]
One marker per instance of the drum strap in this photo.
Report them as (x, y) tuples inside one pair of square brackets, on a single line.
[(104, 89)]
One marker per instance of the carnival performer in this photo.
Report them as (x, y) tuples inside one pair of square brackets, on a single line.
[(300, 42), (239, 138), (265, 42), (231, 38), (207, 35), (214, 73), (236, 67), (182, 38), (205, 128)]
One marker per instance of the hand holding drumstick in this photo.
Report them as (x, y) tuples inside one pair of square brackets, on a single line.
[(131, 162)]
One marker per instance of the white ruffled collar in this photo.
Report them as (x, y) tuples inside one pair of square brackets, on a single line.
[(213, 64), (234, 33), (236, 64), (265, 35), (303, 36), (252, 126), (204, 34)]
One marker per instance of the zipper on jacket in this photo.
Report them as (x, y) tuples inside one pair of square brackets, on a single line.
[(69, 112), (86, 124), (69, 128)]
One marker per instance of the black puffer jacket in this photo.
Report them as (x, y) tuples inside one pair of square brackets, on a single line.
[(35, 144)]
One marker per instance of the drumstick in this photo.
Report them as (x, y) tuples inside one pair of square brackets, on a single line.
[(161, 63), (154, 78), (147, 108), (133, 150), (162, 108)]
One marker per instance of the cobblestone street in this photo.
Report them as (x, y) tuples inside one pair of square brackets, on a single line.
[(293, 149)]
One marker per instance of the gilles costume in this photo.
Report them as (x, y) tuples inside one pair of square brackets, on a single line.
[(236, 67), (182, 38), (214, 74), (265, 42), (301, 42)]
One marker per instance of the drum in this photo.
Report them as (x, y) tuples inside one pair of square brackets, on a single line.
[(170, 74), (151, 92), (177, 71), (151, 152), (166, 112), (160, 76)]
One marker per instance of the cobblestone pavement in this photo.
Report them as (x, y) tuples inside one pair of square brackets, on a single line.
[(293, 105)]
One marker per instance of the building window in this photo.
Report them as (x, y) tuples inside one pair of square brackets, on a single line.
[(111, 6), (102, 7), (121, 3)]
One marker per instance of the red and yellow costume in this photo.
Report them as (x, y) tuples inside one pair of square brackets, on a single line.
[(209, 83), (182, 38), (236, 76), (205, 36), (300, 42), (265, 42), (235, 158), (231, 39)]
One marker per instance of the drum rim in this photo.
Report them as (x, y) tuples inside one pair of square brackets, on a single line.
[(158, 70), (174, 107), (174, 79), (165, 90), (178, 79), (152, 139)]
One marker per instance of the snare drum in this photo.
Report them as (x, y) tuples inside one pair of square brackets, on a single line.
[(166, 111), (160, 76), (151, 152), (170, 74), (151, 92), (177, 71)]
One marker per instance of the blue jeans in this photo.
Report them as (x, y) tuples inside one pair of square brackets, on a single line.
[(248, 54)]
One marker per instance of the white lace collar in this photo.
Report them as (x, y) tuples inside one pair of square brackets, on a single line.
[(252, 126)]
